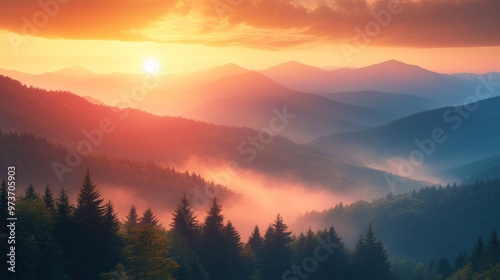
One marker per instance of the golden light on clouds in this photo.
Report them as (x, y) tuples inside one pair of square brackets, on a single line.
[(116, 36)]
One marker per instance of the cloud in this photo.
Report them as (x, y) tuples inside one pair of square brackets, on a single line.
[(83, 19), (266, 24)]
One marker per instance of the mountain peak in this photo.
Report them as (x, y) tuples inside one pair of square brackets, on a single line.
[(74, 71), (294, 65), (394, 64)]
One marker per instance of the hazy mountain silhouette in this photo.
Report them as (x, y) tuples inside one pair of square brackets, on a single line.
[(487, 168), (67, 119), (75, 71), (249, 100), (470, 135), (160, 187), (390, 76), (394, 105)]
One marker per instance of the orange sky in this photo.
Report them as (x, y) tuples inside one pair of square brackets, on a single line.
[(184, 35)]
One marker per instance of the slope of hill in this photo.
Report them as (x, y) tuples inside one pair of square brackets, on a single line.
[(424, 225), (35, 160), (249, 99), (487, 168), (459, 135), (394, 105), (65, 118)]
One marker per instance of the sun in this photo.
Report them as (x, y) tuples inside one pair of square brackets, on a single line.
[(152, 66)]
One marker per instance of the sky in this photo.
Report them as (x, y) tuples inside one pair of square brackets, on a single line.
[(107, 36)]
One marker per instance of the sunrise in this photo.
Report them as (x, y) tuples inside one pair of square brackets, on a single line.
[(249, 139)]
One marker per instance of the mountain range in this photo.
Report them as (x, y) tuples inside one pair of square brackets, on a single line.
[(69, 120)]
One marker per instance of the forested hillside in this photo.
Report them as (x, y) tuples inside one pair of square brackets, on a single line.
[(429, 223), (60, 240), (39, 162)]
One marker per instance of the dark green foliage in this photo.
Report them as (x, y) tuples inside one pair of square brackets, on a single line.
[(184, 220), (148, 219), (89, 210), (461, 260), (190, 266), (39, 257), (86, 243), (370, 258), (147, 254), (91, 249), (493, 248), (31, 193), (110, 237), (482, 263), (212, 241), (277, 251), (232, 253), (425, 225), (65, 228), (479, 255), (148, 180), (256, 242), (63, 207), (337, 264), (132, 220), (49, 200), (443, 267)]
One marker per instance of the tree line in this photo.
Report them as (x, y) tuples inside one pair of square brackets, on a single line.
[(424, 224), (59, 240)]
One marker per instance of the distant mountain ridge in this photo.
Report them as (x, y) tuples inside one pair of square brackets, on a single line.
[(249, 99), (389, 76), (64, 118), (34, 159), (469, 136)]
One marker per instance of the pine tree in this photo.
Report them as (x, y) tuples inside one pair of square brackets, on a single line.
[(370, 258), (63, 207), (479, 255), (42, 257), (443, 268), (65, 230), (30, 192), (147, 252), (232, 253), (190, 266), (131, 220), (49, 200), (89, 218), (148, 219), (336, 266), (212, 241), (256, 242), (111, 238), (184, 220), (493, 249), (461, 260), (277, 257), (89, 210)]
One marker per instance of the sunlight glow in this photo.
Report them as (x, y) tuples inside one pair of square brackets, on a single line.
[(152, 66)]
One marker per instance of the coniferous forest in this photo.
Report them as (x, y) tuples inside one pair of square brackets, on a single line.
[(59, 239)]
